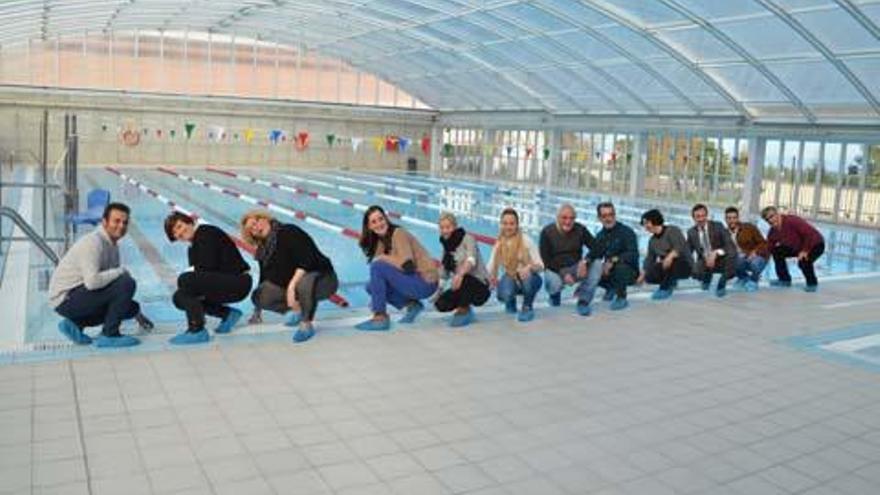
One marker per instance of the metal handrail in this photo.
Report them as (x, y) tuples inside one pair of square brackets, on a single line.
[(38, 241)]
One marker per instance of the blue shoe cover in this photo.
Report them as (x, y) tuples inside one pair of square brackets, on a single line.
[(412, 311), (661, 294), (510, 306), (619, 304), (117, 341), (608, 296), (811, 288), (229, 322), (294, 319), (73, 332), (751, 286), (705, 285), (372, 325), (303, 334), (526, 315), (555, 299), (741, 283), (462, 320), (721, 292), (584, 309), (186, 338)]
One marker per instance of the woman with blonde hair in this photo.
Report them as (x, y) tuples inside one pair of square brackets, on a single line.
[(463, 267), (294, 273), (521, 263)]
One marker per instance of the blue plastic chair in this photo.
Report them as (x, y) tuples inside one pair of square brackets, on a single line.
[(97, 200)]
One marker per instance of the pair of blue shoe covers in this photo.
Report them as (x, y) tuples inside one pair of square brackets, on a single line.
[(201, 335), (75, 334)]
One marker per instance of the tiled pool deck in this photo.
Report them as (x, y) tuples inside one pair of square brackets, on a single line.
[(696, 395)]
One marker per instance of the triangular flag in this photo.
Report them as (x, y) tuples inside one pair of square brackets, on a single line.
[(158, 133), (190, 127), (403, 144), (172, 132), (104, 127), (426, 145), (331, 138), (546, 153), (302, 140), (275, 135), (509, 150), (448, 149), (529, 151), (391, 143), (378, 143), (248, 135), (356, 143)]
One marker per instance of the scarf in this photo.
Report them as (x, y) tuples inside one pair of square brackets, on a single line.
[(267, 248), (449, 247)]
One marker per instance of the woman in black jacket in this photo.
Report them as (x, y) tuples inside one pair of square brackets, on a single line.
[(294, 274), (219, 276)]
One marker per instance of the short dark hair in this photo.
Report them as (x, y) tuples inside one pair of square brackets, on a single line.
[(115, 206), (604, 204), (699, 206), (654, 216), (767, 211), (731, 209), (172, 219)]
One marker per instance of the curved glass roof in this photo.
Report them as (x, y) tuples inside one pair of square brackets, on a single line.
[(805, 61)]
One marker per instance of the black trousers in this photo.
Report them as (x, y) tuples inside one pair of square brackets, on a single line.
[(109, 305), (620, 276), (780, 253), (312, 288), (472, 292), (655, 274), (209, 292)]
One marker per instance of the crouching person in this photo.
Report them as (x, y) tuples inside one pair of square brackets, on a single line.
[(294, 274), (521, 263), (401, 271), (562, 246), (668, 259), (90, 288), (219, 276), (463, 267)]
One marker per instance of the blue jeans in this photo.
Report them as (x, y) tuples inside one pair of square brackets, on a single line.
[(586, 289), (750, 267), (509, 288), (390, 285), (109, 305)]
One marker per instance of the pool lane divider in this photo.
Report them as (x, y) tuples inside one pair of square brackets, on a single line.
[(335, 298), (338, 201)]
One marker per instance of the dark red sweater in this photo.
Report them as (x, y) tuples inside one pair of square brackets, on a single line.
[(795, 234)]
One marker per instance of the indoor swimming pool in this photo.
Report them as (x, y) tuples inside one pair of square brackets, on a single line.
[(329, 205)]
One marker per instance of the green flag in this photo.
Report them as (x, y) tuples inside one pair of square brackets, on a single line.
[(189, 126)]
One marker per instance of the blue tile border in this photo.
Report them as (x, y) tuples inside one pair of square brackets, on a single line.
[(812, 344)]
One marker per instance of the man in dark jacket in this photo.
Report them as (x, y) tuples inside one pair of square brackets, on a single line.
[(668, 259), (617, 248), (562, 251), (713, 248)]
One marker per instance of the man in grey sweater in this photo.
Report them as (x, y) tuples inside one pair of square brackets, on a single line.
[(89, 288), (668, 259)]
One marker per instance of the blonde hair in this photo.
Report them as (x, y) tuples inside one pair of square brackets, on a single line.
[(253, 215), (512, 251), (449, 217)]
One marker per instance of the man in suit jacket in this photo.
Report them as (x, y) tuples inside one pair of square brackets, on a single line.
[(715, 251)]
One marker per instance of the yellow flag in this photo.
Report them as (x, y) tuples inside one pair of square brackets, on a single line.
[(378, 143), (248, 135)]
